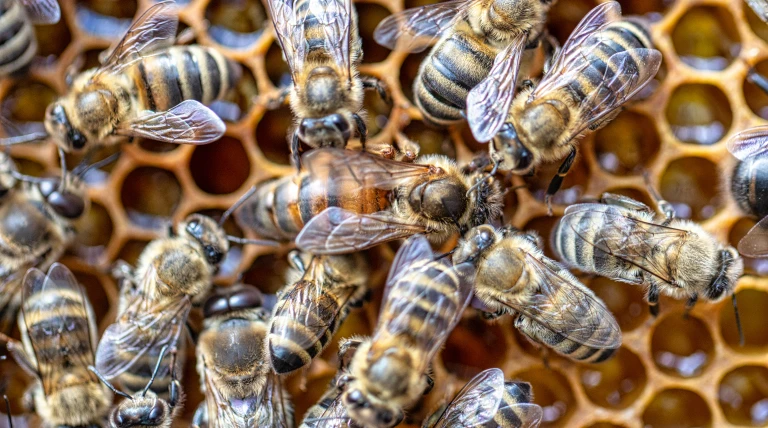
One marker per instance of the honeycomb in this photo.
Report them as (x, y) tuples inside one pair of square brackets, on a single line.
[(670, 372)]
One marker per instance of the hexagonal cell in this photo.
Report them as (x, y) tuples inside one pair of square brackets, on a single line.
[(94, 232), (52, 39), (543, 226), (26, 102), (699, 113), (243, 94), (691, 186), (150, 196), (682, 346), (752, 266), (29, 167), (101, 161), (107, 19), (604, 425), (552, 392), (131, 251), (369, 15), (627, 144), (277, 69), (96, 294), (474, 333), (377, 113), (615, 383), (743, 395), (758, 26), (272, 135), (220, 167), (753, 305), (564, 16), (756, 98), (408, 72), (630, 7), (267, 273), (677, 408), (573, 187), (706, 38), (625, 301), (431, 140), (236, 24)]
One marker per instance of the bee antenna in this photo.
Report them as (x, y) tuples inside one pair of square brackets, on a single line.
[(22, 139), (246, 241), (28, 178), (154, 372), (8, 409), (738, 319), (82, 169), (63, 161), (237, 204), (449, 253), (109, 385)]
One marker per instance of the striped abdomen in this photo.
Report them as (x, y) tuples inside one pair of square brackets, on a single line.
[(18, 44), (454, 66), (749, 185), (315, 35), (182, 73), (305, 320), (506, 416), (137, 378), (564, 346), (280, 207)]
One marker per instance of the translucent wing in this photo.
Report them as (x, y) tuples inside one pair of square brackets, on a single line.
[(748, 143), (335, 18), (274, 410), (42, 11), (488, 102), (413, 30), (562, 305), (189, 122), (329, 412), (220, 412), (153, 30), (628, 239), (144, 328), (571, 58), (337, 166), (338, 231), (57, 316), (414, 252), (290, 34), (760, 7), (435, 294), (755, 242), (476, 403)]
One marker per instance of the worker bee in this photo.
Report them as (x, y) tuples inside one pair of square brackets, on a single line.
[(323, 49), (58, 333), (145, 88), (604, 63), (423, 301), (142, 409), (240, 388), (629, 242), (312, 307), (488, 401), (551, 306), (347, 201), (475, 36), (760, 7), (19, 45)]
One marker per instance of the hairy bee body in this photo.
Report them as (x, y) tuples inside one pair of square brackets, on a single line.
[(311, 308), (749, 185), (18, 43)]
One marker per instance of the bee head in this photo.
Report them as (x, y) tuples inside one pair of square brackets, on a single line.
[(443, 199), (206, 232), (142, 411), (474, 244), (233, 298), (333, 130), (513, 154), (369, 411), (69, 199), (58, 126)]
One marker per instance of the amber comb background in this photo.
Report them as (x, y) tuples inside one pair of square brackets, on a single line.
[(670, 371)]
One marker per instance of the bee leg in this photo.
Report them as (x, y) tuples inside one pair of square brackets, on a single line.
[(653, 299), (664, 207), (295, 261), (757, 79), (689, 305), (362, 130), (276, 102), (430, 384), (174, 389), (478, 163), (370, 82), (347, 349), (296, 150), (16, 349), (557, 180)]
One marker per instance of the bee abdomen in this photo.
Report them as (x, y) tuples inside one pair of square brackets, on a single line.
[(272, 212), (749, 185), (18, 44), (565, 346), (70, 315), (181, 73)]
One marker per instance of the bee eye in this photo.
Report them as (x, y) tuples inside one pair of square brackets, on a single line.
[(156, 413), (78, 140), (195, 229), (66, 204), (212, 254)]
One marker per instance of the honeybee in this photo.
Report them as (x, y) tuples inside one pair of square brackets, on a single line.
[(629, 242), (323, 49), (604, 63), (312, 307), (145, 88), (488, 401), (551, 306), (146, 410), (19, 45), (749, 186), (423, 301), (58, 333), (348, 201), (475, 36), (760, 7), (240, 388)]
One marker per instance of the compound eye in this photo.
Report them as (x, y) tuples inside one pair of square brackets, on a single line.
[(385, 418), (212, 254), (195, 229), (246, 298), (156, 413), (48, 186), (66, 204), (78, 139)]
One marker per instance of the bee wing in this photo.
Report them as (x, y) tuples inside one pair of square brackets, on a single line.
[(748, 143), (146, 326), (413, 30), (42, 11), (438, 320), (58, 318), (335, 414), (290, 33), (338, 231), (335, 18), (153, 30), (488, 102), (561, 305), (625, 238), (415, 251), (220, 412), (760, 7), (476, 403), (275, 410), (755, 242), (370, 171), (189, 122)]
